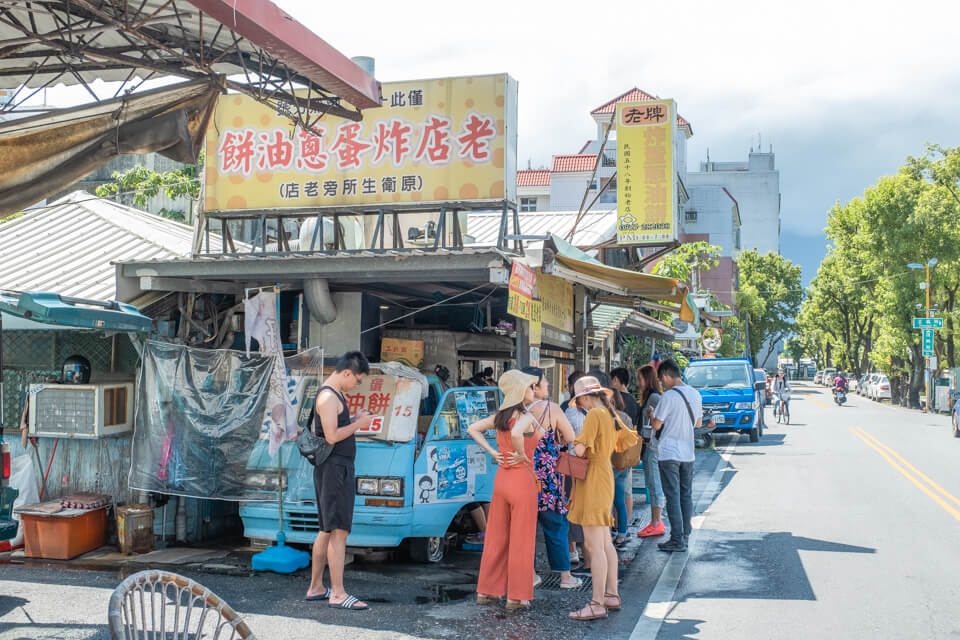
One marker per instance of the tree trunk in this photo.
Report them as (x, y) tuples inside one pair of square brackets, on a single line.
[(916, 376)]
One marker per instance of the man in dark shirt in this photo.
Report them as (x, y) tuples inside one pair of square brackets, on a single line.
[(334, 479), (619, 379)]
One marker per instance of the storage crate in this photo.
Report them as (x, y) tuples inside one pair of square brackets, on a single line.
[(64, 535)]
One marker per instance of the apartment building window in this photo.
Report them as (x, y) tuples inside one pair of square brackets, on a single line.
[(528, 204), (690, 216), (609, 160)]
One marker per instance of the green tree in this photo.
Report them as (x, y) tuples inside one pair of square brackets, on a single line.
[(138, 184), (688, 262), (769, 295)]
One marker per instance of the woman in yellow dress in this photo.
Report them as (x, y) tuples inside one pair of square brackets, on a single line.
[(592, 500)]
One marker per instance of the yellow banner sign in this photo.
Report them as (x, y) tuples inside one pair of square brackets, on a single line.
[(556, 295), (536, 323), (646, 177), (432, 141)]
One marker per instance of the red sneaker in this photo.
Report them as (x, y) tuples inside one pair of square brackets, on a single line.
[(650, 530)]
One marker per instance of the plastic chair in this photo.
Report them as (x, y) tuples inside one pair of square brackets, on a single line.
[(165, 605)]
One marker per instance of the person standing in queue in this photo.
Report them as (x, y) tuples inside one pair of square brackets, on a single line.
[(506, 566), (650, 392), (334, 479), (592, 499), (552, 500), (575, 416)]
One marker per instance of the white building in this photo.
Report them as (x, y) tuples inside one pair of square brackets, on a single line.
[(756, 186)]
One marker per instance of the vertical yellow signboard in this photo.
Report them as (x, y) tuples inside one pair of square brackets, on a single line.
[(646, 189)]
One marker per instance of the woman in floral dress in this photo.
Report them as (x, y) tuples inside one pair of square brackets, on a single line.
[(552, 501)]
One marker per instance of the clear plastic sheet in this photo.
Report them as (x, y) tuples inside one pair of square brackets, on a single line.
[(199, 415)]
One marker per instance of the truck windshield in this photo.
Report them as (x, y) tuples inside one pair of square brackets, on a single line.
[(720, 375)]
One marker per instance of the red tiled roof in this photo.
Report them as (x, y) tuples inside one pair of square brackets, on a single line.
[(533, 178), (577, 162), (633, 95)]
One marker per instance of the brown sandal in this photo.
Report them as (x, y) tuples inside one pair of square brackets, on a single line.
[(517, 604), (593, 607), (485, 599), (607, 596)]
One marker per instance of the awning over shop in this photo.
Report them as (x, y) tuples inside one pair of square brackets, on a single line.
[(71, 313), (42, 155), (607, 318), (578, 266)]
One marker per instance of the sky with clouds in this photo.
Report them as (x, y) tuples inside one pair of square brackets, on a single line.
[(844, 90)]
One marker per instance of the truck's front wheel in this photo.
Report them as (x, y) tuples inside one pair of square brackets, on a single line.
[(754, 433), (427, 549)]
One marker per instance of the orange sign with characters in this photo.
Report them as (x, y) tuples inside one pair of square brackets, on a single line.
[(520, 296)]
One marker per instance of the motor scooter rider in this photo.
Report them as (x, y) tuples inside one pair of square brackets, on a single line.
[(840, 383)]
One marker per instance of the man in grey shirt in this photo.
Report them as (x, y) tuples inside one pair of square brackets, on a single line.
[(680, 411)]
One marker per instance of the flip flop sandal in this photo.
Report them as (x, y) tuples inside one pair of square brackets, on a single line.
[(351, 604), (522, 604), (593, 615), (485, 599), (616, 607), (323, 596)]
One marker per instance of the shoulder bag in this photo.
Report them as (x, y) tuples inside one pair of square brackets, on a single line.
[(693, 421), (628, 458), (314, 448)]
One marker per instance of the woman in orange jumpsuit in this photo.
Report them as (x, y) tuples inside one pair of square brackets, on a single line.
[(506, 567)]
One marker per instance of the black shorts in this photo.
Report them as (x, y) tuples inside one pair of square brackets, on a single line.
[(335, 487)]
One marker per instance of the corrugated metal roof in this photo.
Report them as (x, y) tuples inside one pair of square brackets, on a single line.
[(594, 228), (68, 247), (607, 318)]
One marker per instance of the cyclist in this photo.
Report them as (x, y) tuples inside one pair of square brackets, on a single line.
[(781, 389)]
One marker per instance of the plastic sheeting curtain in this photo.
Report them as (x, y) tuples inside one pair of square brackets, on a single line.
[(199, 415), (45, 154)]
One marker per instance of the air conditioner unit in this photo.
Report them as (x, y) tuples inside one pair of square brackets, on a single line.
[(81, 410)]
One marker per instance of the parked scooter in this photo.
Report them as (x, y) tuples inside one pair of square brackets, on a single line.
[(839, 396)]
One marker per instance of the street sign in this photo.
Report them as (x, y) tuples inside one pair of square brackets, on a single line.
[(928, 323), (928, 342)]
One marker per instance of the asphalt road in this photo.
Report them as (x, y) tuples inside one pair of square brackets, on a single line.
[(843, 524)]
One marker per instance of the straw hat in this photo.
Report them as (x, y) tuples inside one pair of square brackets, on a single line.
[(589, 385), (514, 385)]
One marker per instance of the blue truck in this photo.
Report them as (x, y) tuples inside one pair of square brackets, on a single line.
[(729, 391), (416, 494)]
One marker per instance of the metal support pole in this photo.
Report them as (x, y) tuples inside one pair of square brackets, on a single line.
[(523, 343)]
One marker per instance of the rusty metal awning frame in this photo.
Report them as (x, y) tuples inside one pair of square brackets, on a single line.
[(282, 63)]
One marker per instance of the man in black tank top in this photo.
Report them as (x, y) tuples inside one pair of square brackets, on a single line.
[(334, 479)]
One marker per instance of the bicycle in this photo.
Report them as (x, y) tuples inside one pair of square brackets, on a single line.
[(781, 410)]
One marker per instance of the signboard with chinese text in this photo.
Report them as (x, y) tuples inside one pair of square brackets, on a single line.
[(557, 297), (646, 177), (408, 352), (928, 323), (520, 296), (927, 344), (536, 323), (439, 140), (394, 402)]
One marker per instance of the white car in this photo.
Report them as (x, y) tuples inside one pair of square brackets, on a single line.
[(881, 389)]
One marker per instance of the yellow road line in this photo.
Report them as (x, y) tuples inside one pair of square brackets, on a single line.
[(906, 474), (920, 474)]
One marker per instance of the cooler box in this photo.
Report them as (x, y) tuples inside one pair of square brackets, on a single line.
[(64, 535)]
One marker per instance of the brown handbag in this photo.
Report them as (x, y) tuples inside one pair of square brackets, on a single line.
[(571, 465)]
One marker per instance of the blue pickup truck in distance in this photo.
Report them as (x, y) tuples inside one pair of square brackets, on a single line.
[(728, 390)]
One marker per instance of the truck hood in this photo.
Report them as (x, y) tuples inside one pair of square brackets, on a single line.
[(726, 395)]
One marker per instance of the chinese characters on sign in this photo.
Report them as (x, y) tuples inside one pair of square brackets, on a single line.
[(556, 295), (432, 141), (536, 332), (520, 295), (646, 187), (408, 352)]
